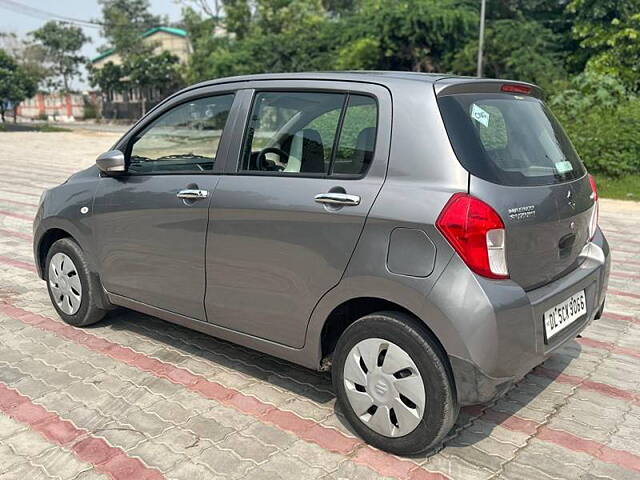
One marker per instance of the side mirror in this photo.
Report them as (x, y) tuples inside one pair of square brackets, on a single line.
[(111, 162)]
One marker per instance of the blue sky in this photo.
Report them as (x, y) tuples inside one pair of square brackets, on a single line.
[(21, 24)]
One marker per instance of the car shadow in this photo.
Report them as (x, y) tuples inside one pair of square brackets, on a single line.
[(312, 385), (473, 425)]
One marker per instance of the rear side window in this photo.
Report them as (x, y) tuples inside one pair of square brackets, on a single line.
[(310, 134), (509, 139), (292, 132), (357, 137)]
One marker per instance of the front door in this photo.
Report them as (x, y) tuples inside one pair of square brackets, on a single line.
[(285, 222), (151, 223)]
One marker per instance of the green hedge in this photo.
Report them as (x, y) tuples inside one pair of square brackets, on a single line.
[(607, 139)]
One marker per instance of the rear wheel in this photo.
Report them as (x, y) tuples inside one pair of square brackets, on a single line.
[(70, 288), (392, 383)]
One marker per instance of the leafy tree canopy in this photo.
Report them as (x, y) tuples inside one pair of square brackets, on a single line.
[(412, 35), (61, 44), (123, 21), (516, 49), (609, 30), (15, 83)]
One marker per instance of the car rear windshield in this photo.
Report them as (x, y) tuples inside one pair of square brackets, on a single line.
[(509, 139)]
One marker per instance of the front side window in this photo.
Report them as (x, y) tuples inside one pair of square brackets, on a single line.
[(310, 134), (183, 140)]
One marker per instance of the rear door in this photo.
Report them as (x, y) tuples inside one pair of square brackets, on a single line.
[(286, 218), (522, 163)]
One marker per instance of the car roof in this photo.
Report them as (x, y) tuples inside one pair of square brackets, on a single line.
[(389, 79), (381, 77)]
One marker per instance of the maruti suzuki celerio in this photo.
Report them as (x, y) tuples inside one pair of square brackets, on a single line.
[(428, 238)]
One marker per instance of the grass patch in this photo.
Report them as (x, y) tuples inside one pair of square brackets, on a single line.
[(25, 127), (623, 188), (51, 128)]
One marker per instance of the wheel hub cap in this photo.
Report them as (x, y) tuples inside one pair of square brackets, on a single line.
[(384, 387), (64, 282)]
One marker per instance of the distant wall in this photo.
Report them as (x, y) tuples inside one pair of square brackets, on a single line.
[(64, 107)]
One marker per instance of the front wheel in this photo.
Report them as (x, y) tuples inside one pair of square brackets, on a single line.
[(69, 283), (392, 384)]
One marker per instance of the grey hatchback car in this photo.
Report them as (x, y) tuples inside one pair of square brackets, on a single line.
[(427, 238)]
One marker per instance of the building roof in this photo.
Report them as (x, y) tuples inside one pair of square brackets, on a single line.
[(173, 31)]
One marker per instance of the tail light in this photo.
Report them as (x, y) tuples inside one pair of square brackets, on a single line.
[(593, 224), (476, 233)]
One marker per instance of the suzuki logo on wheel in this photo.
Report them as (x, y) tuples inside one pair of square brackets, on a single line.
[(381, 388)]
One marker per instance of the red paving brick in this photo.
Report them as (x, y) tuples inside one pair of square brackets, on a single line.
[(16, 202), (309, 430), (13, 233), (118, 465), (620, 293), (621, 317), (17, 263), (598, 450), (28, 218), (327, 438), (107, 459), (611, 347)]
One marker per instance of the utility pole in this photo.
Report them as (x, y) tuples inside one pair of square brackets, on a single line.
[(483, 6)]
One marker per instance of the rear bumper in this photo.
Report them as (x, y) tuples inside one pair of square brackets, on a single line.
[(504, 336)]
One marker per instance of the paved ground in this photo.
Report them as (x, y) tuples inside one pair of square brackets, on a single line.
[(136, 398)]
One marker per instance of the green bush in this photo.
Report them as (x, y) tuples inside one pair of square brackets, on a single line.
[(607, 139), (603, 121), (90, 111)]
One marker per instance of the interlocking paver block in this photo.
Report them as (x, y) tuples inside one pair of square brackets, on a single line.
[(188, 434)]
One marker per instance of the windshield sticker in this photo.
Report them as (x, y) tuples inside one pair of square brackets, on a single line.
[(563, 167), (480, 115)]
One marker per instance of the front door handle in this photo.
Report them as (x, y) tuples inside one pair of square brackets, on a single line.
[(342, 199), (193, 194)]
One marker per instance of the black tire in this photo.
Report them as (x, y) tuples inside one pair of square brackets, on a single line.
[(88, 313), (441, 409)]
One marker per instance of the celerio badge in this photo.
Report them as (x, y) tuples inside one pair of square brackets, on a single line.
[(520, 213)]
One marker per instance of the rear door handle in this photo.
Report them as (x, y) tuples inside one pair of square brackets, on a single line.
[(193, 194), (343, 199)]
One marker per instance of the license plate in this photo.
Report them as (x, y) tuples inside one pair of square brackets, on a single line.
[(564, 314)]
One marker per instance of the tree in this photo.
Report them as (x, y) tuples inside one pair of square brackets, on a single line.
[(29, 56), (124, 21), (237, 17), (609, 30), (109, 78), (61, 44), (152, 71), (414, 35), (15, 84), (271, 35), (516, 49)]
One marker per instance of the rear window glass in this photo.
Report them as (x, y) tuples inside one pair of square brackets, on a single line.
[(509, 139)]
